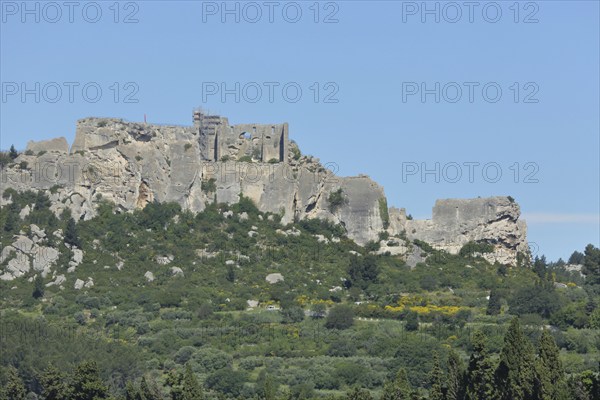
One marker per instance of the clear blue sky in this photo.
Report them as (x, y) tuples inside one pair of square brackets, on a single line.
[(373, 61)]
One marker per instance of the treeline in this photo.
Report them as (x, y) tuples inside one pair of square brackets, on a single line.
[(521, 372)]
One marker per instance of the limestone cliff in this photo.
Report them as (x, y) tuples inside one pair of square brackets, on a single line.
[(132, 164)]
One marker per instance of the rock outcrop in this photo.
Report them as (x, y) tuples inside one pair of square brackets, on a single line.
[(133, 164), (456, 222)]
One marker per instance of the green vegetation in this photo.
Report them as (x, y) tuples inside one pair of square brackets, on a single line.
[(336, 199), (342, 324), (296, 154), (383, 211), (209, 186), (474, 247), (245, 159)]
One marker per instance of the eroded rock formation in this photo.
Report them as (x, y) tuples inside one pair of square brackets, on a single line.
[(133, 164)]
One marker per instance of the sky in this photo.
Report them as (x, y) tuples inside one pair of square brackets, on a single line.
[(430, 99)]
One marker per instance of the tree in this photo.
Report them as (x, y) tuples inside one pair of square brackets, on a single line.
[(515, 375), (226, 381), (149, 390), (358, 394), (340, 317), (87, 384), (12, 221), (550, 377), (12, 153), (479, 380), (576, 258), (54, 384), (230, 276), (38, 287), (15, 390), (540, 266), (362, 271), (398, 389), (191, 389), (436, 378), (494, 305), (291, 315), (455, 380), (412, 321), (71, 234), (267, 388), (591, 265)]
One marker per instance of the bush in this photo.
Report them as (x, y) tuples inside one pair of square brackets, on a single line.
[(209, 186), (412, 321), (336, 199), (292, 315), (226, 381), (474, 247), (184, 354), (340, 317), (341, 348)]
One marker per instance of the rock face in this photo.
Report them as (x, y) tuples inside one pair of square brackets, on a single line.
[(456, 222), (133, 164), (59, 145)]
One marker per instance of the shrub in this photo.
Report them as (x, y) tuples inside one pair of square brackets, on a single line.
[(209, 186), (336, 199), (184, 354), (474, 247), (340, 317), (412, 321), (296, 154), (383, 212), (187, 146), (226, 381)]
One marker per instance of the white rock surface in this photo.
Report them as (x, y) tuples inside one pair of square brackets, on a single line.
[(274, 278)]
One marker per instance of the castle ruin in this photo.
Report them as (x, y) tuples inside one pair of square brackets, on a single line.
[(220, 141)]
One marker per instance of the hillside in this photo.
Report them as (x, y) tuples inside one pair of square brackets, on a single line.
[(251, 306)]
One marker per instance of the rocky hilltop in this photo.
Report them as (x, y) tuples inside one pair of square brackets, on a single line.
[(132, 164)]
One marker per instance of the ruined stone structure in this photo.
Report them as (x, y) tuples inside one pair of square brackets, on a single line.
[(219, 140), (132, 164)]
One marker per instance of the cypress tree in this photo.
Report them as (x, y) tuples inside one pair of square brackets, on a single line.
[(436, 378), (479, 378), (54, 384), (515, 375), (494, 305), (191, 389), (12, 221), (550, 377), (399, 389), (359, 394), (38, 287), (15, 390), (12, 153), (71, 235), (455, 381), (149, 390), (87, 384)]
